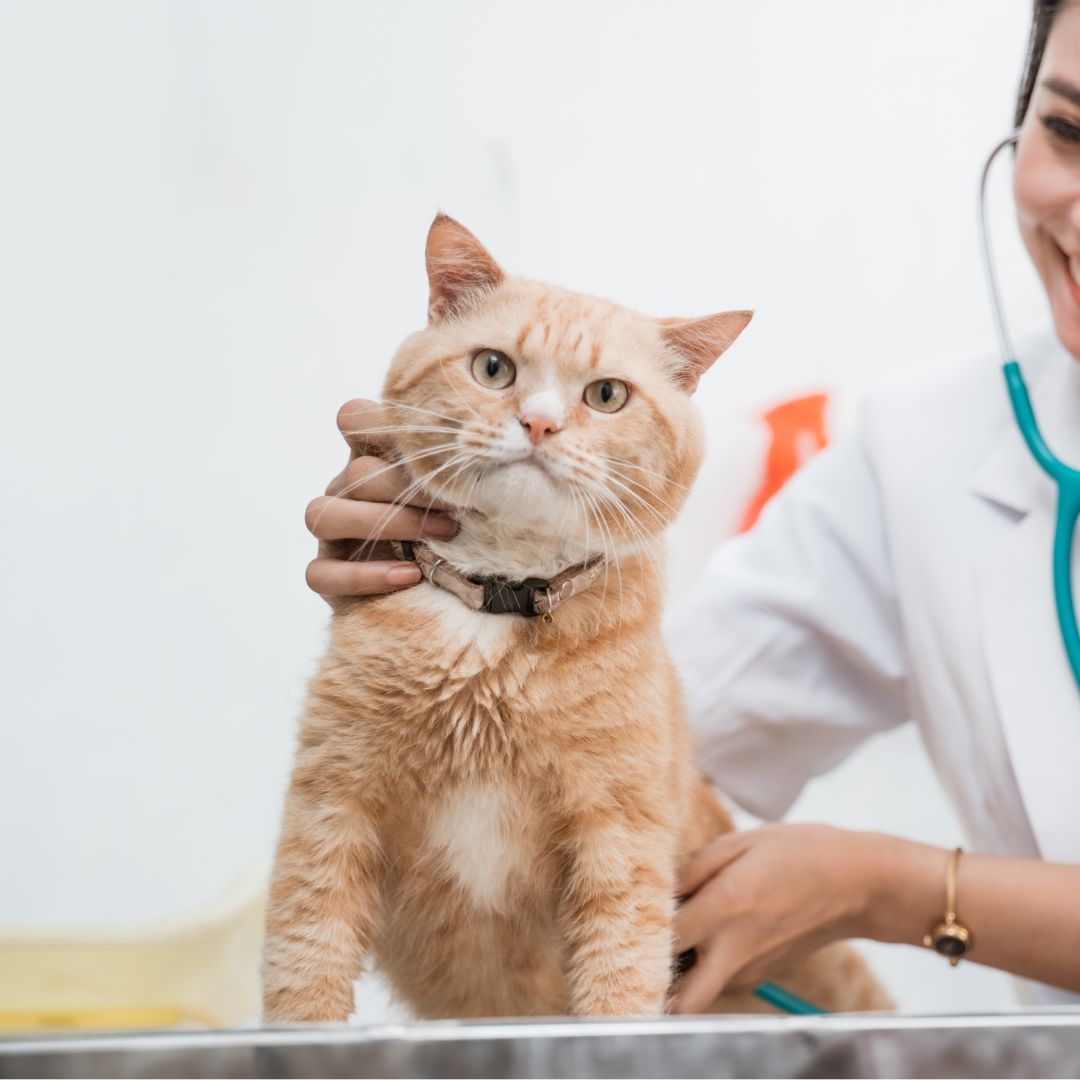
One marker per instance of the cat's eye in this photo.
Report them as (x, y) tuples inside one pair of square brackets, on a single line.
[(493, 368), (607, 395)]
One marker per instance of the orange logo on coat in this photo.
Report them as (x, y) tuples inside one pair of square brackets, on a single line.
[(797, 430)]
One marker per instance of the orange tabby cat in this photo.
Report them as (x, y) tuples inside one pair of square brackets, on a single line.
[(491, 807)]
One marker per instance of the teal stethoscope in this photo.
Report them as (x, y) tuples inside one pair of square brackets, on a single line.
[(1067, 479), (1068, 498)]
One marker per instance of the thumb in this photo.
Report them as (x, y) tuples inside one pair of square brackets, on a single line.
[(365, 427)]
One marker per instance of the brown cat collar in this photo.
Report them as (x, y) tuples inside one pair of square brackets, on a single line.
[(501, 595)]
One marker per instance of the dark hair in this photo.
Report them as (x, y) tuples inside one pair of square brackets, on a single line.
[(1042, 18)]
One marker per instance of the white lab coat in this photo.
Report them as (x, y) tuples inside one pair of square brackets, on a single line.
[(904, 574)]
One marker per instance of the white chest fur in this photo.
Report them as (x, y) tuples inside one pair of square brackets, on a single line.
[(491, 635), (475, 832)]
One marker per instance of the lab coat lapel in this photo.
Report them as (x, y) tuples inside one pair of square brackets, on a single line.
[(1037, 697)]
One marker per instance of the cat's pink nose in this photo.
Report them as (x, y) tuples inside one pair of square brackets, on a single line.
[(537, 425)]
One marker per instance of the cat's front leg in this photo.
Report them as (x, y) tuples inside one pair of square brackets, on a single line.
[(323, 903), (616, 916)]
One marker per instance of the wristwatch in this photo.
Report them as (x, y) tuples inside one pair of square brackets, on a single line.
[(950, 938)]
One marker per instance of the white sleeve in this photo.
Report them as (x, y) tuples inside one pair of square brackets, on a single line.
[(789, 648)]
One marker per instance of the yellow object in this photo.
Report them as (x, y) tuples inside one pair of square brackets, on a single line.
[(198, 970)]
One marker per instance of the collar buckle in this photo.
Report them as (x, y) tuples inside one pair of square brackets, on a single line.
[(505, 597)]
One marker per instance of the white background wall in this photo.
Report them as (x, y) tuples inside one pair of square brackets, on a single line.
[(211, 227)]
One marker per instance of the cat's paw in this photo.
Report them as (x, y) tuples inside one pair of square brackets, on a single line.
[(295, 1005), (616, 1002)]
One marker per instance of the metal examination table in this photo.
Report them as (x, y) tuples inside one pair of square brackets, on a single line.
[(1031, 1043)]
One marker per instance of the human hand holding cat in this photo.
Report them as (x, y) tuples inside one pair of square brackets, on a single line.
[(761, 900), (358, 507)]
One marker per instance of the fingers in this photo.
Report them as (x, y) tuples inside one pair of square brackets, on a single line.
[(335, 577), (710, 860), (369, 479), (359, 506), (695, 920), (372, 479), (363, 425), (330, 518), (698, 988)]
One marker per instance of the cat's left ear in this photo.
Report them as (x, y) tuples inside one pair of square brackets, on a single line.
[(459, 268), (698, 342)]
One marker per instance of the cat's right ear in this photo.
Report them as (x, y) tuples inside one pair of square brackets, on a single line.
[(698, 342), (459, 268)]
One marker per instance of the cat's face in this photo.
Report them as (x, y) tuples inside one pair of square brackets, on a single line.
[(538, 406)]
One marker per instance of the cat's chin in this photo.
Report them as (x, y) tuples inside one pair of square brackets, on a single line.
[(503, 548), (520, 519), (520, 493), (531, 466)]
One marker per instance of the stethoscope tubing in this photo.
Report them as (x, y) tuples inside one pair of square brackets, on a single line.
[(1066, 479), (786, 1002), (997, 309)]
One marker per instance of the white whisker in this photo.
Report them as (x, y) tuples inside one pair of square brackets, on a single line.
[(389, 467), (413, 489), (667, 481), (420, 409)]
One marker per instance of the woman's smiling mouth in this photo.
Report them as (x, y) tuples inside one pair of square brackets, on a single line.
[(1072, 276)]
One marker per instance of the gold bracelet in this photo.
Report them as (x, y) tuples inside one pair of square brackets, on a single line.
[(950, 938)]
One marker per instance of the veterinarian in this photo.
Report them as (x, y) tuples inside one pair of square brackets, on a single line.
[(903, 574)]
